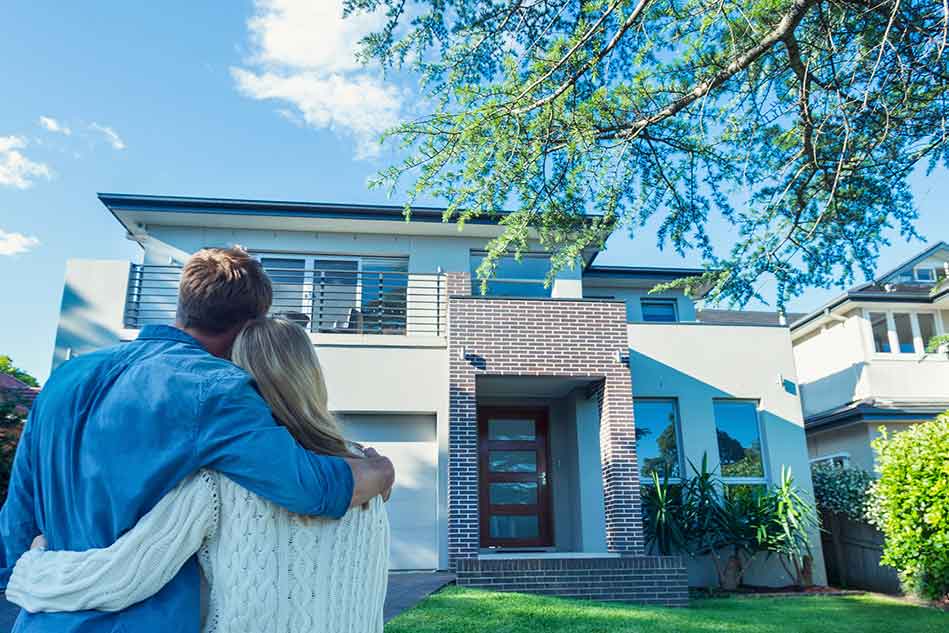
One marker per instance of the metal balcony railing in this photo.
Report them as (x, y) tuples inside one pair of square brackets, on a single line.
[(328, 301)]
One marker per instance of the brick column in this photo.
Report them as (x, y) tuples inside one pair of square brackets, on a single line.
[(463, 524), (621, 494)]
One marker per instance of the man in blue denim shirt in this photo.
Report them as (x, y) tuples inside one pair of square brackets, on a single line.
[(115, 430)]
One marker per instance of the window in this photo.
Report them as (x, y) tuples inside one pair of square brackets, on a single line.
[(904, 333), (512, 278), (659, 310), (927, 327), (335, 293), (881, 333), (925, 275), (330, 293), (739, 441), (657, 439), (288, 278), (840, 460)]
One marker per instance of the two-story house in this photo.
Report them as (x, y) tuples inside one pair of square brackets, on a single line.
[(522, 421), (862, 360)]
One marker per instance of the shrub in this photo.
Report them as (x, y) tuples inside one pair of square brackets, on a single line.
[(696, 518), (936, 342), (910, 505), (12, 417), (841, 490)]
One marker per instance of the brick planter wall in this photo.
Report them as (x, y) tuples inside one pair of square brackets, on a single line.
[(547, 337), (644, 579)]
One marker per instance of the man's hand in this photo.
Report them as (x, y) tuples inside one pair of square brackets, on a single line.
[(39, 542), (373, 475)]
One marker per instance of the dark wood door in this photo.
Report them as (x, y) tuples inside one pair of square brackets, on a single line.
[(514, 489)]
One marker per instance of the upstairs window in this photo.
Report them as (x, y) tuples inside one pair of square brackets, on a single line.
[(903, 332), (340, 294), (926, 275), (881, 333), (513, 278), (659, 310), (927, 327)]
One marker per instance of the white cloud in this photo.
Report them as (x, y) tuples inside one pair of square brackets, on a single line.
[(16, 170), (111, 136), (16, 243), (304, 56), (54, 126)]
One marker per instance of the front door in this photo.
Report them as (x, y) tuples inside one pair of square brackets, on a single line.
[(514, 493)]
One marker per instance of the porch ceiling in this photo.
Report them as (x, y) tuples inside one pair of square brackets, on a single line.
[(530, 386)]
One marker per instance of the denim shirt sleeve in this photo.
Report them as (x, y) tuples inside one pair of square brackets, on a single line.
[(17, 522), (238, 437)]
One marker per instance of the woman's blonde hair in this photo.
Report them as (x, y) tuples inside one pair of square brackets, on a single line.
[(280, 357)]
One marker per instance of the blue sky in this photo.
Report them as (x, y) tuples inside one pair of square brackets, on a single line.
[(241, 99)]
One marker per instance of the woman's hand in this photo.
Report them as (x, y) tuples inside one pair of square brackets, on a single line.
[(371, 452), (39, 542)]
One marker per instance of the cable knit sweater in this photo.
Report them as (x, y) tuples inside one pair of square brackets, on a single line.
[(268, 570)]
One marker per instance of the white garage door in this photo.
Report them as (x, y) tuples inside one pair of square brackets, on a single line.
[(410, 442)]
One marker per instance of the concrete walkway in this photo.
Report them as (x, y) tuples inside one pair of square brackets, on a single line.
[(406, 589)]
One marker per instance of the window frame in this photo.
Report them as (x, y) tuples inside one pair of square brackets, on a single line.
[(680, 454), (527, 281), (919, 345), (308, 287), (930, 269), (840, 459), (764, 479), (643, 301)]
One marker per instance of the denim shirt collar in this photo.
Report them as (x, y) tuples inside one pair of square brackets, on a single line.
[(167, 333)]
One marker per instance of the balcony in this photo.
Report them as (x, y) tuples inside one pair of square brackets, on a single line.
[(328, 301)]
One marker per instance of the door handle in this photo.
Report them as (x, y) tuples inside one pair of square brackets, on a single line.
[(543, 478)]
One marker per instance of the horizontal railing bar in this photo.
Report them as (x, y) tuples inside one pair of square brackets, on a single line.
[(160, 269)]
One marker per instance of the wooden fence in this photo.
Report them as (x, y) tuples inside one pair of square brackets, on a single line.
[(852, 553)]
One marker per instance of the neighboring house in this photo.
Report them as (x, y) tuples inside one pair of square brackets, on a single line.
[(14, 389), (862, 360), (509, 416)]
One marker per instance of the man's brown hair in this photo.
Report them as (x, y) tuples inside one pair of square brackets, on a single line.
[(222, 288)]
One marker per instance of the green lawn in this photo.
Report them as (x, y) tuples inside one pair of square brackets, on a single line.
[(455, 610)]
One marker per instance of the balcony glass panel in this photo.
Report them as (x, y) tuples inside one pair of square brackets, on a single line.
[(881, 333)]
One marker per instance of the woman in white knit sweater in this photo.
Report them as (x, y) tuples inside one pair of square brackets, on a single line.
[(268, 570)]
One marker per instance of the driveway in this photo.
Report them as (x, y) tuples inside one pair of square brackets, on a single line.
[(406, 589)]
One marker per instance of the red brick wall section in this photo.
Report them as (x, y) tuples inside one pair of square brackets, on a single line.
[(524, 337)]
